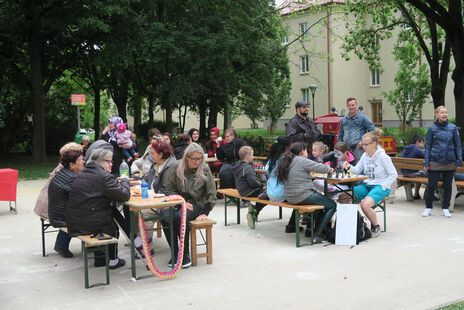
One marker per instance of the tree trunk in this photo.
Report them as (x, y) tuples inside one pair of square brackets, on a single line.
[(151, 100), (227, 117), (138, 115), (121, 105), (202, 105), (212, 118), (96, 112), (37, 96), (166, 103), (273, 127)]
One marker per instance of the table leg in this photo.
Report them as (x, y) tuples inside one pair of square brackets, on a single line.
[(297, 228), (171, 233), (131, 238)]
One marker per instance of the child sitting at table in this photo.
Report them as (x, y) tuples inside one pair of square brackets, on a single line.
[(247, 183)]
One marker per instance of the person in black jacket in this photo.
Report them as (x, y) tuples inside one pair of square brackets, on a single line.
[(229, 154), (58, 196), (247, 183), (301, 128), (183, 141), (108, 136), (89, 208)]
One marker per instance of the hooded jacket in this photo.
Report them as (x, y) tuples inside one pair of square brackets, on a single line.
[(379, 168), (229, 151), (412, 151), (442, 144), (89, 207), (245, 178)]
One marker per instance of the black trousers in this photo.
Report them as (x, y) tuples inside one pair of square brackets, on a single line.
[(434, 176), (191, 215)]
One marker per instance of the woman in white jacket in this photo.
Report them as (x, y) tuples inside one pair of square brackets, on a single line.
[(378, 166)]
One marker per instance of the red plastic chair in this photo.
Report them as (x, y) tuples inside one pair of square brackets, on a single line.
[(8, 184)]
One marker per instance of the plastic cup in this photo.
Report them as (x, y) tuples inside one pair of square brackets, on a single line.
[(151, 194)]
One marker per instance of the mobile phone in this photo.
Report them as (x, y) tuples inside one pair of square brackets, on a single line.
[(102, 237)]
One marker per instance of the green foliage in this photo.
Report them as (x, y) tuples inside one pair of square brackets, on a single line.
[(403, 136), (260, 144)]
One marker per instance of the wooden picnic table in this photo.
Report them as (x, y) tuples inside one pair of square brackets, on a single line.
[(137, 203), (333, 180)]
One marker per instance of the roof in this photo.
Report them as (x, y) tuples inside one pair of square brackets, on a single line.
[(293, 6)]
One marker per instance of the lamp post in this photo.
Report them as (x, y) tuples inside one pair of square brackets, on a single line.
[(313, 88)]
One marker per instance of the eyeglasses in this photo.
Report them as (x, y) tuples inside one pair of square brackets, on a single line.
[(366, 144), (109, 161), (195, 158)]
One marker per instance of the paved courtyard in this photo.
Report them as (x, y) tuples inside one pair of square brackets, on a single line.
[(417, 264)]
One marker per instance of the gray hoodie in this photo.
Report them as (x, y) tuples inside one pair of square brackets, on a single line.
[(379, 168), (299, 184)]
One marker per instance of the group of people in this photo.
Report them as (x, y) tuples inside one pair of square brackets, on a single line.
[(81, 191)]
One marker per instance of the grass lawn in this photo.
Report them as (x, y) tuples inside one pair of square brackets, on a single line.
[(458, 306), (28, 170), (258, 132)]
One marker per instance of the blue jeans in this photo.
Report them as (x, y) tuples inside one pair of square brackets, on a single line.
[(330, 207), (128, 153), (434, 176), (62, 240)]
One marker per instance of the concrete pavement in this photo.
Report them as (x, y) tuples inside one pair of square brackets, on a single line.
[(417, 264)]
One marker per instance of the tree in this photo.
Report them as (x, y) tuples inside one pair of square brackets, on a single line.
[(411, 80)]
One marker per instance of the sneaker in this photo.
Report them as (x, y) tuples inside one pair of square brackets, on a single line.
[(446, 213), (170, 264), (142, 255), (120, 263), (251, 217), (264, 196), (416, 197), (244, 205), (291, 229), (427, 212), (186, 262), (375, 231), (318, 239), (436, 198), (64, 252)]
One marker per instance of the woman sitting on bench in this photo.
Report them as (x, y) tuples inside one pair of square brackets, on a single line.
[(294, 170), (378, 166), (89, 208)]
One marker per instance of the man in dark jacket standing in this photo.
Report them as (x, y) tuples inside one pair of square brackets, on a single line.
[(301, 128)]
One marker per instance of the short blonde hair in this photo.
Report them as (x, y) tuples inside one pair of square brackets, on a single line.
[(70, 146), (438, 109), (321, 146), (245, 151), (373, 136)]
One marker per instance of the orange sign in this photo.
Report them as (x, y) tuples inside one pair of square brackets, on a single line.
[(77, 99)]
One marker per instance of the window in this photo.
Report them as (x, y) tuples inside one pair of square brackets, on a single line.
[(409, 96), (375, 77), (406, 25), (305, 94), (304, 64), (285, 41), (303, 30)]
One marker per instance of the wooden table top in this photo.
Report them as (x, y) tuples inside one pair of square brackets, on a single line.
[(136, 203), (211, 159)]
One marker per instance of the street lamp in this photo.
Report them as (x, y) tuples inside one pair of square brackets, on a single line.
[(313, 88)]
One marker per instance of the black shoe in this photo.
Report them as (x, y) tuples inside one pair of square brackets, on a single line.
[(416, 197), (120, 263), (307, 232), (186, 262), (291, 229), (170, 264), (64, 252)]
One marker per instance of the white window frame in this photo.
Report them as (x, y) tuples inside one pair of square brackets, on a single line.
[(285, 41), (303, 27), (304, 64), (375, 78), (305, 94), (410, 96)]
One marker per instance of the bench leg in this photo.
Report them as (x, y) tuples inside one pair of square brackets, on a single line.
[(86, 266), (280, 213), (42, 222), (238, 210), (209, 245), (408, 190), (297, 228), (193, 238), (225, 210), (107, 260)]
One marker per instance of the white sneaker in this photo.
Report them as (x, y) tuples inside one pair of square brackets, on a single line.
[(446, 213), (427, 212)]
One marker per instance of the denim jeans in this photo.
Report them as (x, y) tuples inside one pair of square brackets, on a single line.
[(62, 240), (330, 207), (434, 176)]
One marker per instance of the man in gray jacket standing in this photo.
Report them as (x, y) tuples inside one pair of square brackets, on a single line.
[(301, 128), (352, 127)]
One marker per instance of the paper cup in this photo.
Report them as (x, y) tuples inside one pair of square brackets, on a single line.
[(151, 194)]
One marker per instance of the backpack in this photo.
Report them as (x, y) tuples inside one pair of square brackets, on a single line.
[(362, 231)]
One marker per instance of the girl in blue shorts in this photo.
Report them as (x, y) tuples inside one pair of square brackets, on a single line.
[(377, 165)]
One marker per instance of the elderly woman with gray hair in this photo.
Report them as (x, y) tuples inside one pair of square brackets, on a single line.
[(89, 209), (191, 178)]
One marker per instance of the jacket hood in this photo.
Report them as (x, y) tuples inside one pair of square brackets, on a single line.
[(378, 153)]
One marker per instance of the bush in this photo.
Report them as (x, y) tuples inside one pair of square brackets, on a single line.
[(261, 145), (143, 128)]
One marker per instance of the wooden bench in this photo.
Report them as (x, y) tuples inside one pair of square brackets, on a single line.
[(46, 228), (90, 244), (408, 183), (208, 242), (232, 195)]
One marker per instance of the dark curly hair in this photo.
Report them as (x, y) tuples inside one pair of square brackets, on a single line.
[(70, 156), (284, 164)]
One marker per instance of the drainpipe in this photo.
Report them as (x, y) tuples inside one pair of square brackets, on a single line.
[(328, 62)]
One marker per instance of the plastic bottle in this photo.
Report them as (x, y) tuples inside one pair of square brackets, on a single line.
[(124, 168), (144, 189)]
